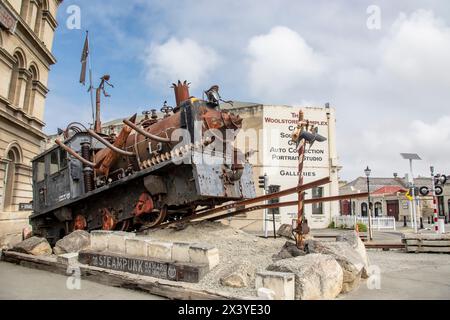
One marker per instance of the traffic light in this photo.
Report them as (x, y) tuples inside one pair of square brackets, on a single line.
[(262, 182)]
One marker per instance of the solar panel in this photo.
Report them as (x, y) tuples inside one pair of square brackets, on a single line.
[(410, 156)]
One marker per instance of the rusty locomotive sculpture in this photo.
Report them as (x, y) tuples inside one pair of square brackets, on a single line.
[(155, 170)]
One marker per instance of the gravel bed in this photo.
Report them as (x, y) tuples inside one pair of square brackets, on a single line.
[(235, 246)]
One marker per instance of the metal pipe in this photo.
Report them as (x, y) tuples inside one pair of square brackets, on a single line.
[(145, 133), (73, 153), (287, 204), (109, 145), (250, 201)]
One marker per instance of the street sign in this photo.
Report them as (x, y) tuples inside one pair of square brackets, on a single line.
[(409, 196), (25, 206)]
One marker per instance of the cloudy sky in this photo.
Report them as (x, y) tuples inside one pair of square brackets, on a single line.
[(383, 65)]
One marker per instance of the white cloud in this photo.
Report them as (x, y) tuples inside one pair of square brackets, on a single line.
[(380, 147), (417, 50), (180, 60), (281, 61)]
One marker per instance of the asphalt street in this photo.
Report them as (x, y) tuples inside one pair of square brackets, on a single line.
[(20, 283)]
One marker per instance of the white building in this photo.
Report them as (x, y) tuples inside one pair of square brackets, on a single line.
[(266, 130)]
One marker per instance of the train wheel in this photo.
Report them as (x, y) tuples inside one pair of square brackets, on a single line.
[(123, 225), (108, 220), (154, 218), (79, 223)]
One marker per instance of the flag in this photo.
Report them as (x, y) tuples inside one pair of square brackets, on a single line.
[(84, 57)]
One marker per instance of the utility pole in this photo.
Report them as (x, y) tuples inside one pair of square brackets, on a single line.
[(435, 211), (369, 210), (263, 182), (411, 157)]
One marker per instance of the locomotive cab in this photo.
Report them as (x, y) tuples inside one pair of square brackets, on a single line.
[(57, 176)]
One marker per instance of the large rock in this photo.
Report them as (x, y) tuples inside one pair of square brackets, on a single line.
[(35, 246), (353, 239), (349, 260), (289, 250), (285, 230), (73, 242), (317, 276), (241, 276)]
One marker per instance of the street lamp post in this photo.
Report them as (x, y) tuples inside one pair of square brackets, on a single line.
[(369, 211), (411, 157)]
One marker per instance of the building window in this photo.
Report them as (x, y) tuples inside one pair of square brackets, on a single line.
[(378, 209), (364, 209), (13, 157), (317, 208), (30, 90), (15, 86)]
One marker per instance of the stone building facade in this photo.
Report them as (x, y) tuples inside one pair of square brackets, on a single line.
[(26, 37), (388, 199)]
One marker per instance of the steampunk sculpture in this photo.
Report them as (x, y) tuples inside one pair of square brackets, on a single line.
[(160, 169)]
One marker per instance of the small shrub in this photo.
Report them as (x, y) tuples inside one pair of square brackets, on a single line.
[(331, 225), (362, 227)]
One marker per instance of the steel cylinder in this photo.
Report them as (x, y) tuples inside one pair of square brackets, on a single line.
[(88, 172)]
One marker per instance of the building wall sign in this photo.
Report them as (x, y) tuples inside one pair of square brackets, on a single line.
[(280, 158), (7, 20)]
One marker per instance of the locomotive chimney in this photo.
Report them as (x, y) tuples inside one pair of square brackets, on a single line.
[(181, 91)]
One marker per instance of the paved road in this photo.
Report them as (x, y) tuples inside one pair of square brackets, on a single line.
[(18, 282), (407, 276)]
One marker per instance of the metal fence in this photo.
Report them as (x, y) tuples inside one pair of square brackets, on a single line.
[(378, 223)]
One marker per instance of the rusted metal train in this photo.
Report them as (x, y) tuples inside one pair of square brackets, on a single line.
[(154, 171)]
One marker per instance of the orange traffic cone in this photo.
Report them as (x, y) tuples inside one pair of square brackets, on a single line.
[(356, 228)]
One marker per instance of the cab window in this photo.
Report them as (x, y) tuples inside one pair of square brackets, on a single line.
[(62, 158), (40, 169), (54, 162)]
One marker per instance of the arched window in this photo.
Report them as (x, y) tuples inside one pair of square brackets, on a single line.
[(14, 86), (13, 157), (38, 26), (30, 90), (378, 209), (364, 209), (25, 10)]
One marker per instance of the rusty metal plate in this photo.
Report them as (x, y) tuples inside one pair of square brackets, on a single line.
[(186, 272), (247, 185)]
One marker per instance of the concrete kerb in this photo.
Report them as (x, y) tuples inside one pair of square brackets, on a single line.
[(204, 254), (99, 239), (68, 258), (282, 284), (141, 246)]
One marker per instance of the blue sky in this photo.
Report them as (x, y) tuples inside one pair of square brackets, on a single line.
[(389, 85)]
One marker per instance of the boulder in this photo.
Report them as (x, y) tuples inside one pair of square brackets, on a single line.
[(289, 250), (73, 242), (317, 276), (241, 276), (285, 230), (353, 239), (35, 246), (349, 260)]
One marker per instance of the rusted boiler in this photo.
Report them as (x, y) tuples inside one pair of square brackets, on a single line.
[(154, 170)]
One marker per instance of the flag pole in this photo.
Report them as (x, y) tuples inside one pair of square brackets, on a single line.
[(90, 79)]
